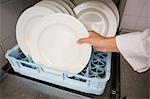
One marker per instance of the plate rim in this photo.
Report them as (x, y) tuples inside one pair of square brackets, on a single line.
[(59, 15), (110, 3), (97, 11), (70, 3), (65, 5), (52, 7), (58, 5), (20, 26)]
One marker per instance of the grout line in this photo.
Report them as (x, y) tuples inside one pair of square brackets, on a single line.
[(2, 49), (3, 41), (7, 37)]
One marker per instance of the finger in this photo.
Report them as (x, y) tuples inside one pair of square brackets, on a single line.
[(84, 40)]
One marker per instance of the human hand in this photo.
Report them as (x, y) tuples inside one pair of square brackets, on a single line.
[(100, 43)]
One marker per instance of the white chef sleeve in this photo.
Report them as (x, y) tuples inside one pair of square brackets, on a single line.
[(135, 48)]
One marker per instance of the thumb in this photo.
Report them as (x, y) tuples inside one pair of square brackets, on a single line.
[(84, 40)]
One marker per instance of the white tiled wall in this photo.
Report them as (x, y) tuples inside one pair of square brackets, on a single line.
[(9, 14), (136, 15)]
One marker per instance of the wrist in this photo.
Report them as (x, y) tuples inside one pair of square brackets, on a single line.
[(112, 46)]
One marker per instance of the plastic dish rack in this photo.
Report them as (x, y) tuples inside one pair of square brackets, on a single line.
[(91, 80)]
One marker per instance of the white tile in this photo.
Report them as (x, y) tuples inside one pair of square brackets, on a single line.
[(3, 60), (134, 7), (8, 19), (143, 23), (146, 9), (129, 22), (9, 43)]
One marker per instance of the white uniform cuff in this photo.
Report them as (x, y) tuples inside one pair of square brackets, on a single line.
[(131, 47)]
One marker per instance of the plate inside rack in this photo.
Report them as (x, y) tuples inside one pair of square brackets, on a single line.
[(107, 19), (26, 22), (54, 43)]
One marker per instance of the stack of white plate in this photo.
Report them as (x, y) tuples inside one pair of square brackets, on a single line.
[(100, 16), (48, 32)]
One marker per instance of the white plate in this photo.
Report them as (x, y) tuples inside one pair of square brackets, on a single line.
[(25, 23), (64, 4), (94, 19), (54, 43), (112, 27), (77, 2), (110, 3), (70, 3), (56, 4), (50, 6)]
